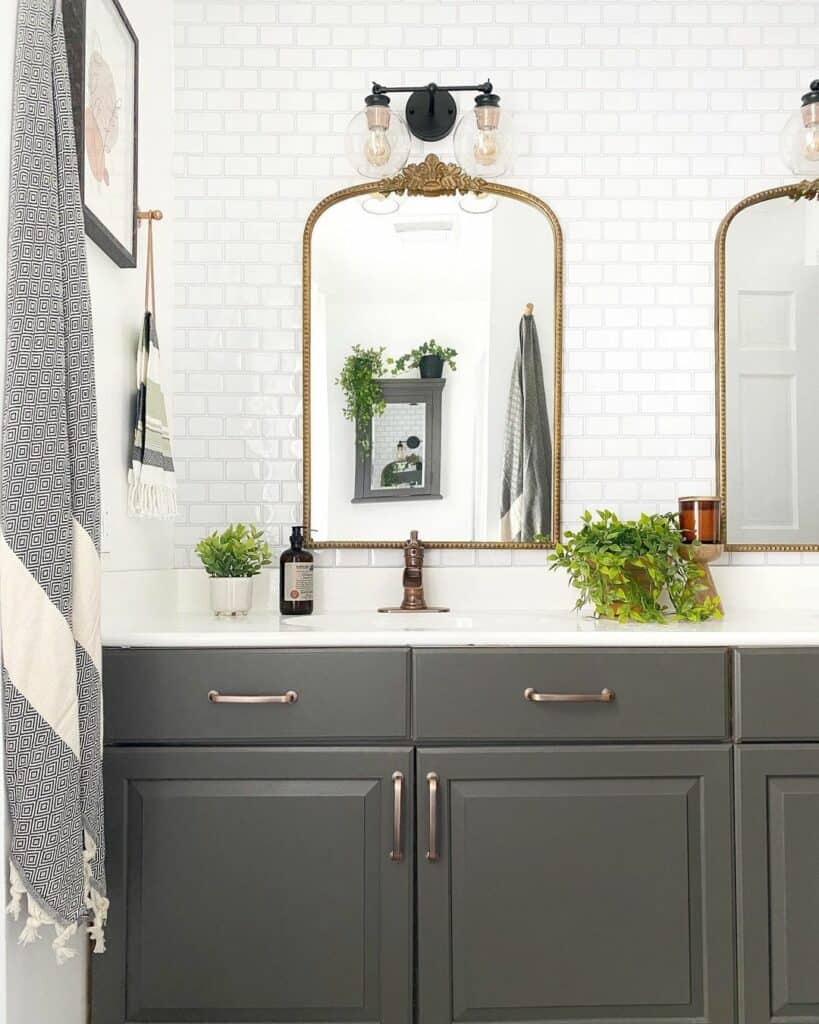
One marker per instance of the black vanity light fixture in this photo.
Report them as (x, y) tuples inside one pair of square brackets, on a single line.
[(799, 139), (378, 138)]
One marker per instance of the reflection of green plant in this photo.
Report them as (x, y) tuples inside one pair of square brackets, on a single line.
[(359, 382), (623, 568), (238, 551), (410, 360)]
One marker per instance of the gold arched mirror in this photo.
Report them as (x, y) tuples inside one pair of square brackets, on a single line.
[(767, 309), (436, 261)]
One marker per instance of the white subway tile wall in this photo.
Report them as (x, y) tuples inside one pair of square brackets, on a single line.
[(641, 123)]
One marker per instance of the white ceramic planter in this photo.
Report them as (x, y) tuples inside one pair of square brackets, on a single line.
[(231, 596)]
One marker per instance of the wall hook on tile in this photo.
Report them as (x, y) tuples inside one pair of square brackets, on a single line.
[(148, 215)]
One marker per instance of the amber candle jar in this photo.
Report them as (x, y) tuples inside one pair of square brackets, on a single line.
[(700, 520)]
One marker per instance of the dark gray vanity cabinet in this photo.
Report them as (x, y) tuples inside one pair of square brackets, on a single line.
[(472, 835), (257, 885), (778, 882), (588, 883), (777, 821)]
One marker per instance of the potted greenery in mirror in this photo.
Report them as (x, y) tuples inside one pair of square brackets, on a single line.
[(362, 393), (232, 559), (429, 358), (625, 569)]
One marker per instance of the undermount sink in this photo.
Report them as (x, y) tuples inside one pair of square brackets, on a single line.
[(342, 622)]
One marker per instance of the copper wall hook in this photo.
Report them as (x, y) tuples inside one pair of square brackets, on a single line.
[(148, 215)]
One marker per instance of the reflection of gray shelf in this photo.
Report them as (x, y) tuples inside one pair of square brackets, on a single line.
[(410, 389), (426, 391)]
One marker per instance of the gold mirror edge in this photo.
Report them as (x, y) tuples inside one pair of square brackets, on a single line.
[(474, 545), (495, 188), (793, 548), (795, 190)]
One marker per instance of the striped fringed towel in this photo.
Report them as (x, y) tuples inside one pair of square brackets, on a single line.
[(49, 495), (151, 478), (526, 490)]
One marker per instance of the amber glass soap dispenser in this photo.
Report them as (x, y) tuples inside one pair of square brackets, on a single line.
[(296, 577)]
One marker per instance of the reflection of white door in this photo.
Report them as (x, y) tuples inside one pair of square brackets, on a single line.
[(772, 396)]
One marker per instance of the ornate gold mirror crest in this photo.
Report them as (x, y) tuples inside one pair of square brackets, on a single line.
[(430, 178), (762, 283)]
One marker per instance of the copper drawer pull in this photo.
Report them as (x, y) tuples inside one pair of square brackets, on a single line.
[(604, 697), (432, 783), (270, 698), (397, 805)]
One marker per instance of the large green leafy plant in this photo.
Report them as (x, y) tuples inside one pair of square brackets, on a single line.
[(626, 568), (237, 551), (362, 392)]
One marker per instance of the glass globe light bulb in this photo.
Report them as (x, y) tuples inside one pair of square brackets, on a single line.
[(810, 142), (377, 149), (377, 141), (485, 139), (485, 149), (799, 139)]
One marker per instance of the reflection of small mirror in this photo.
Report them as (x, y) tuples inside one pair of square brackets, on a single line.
[(768, 305), (451, 453), (401, 457)]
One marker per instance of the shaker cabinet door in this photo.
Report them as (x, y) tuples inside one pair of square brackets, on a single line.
[(585, 884), (778, 883), (257, 885)]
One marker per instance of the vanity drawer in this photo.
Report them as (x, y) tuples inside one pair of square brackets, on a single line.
[(479, 694), (161, 695), (777, 693)]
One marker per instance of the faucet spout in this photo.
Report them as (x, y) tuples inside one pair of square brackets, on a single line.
[(413, 579)]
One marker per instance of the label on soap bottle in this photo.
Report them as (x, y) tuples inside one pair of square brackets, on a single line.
[(298, 581)]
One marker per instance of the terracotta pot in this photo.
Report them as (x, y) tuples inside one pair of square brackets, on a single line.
[(642, 579), (231, 596)]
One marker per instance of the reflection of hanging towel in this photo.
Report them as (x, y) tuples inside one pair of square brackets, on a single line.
[(526, 491), (151, 479)]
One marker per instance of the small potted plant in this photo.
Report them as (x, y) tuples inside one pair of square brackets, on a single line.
[(429, 358), (359, 381), (232, 559), (624, 569)]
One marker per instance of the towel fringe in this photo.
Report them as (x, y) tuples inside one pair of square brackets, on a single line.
[(95, 902), (150, 500)]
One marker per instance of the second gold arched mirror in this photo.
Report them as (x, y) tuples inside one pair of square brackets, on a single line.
[(431, 402), (767, 308)]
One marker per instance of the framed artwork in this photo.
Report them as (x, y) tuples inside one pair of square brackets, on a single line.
[(103, 64)]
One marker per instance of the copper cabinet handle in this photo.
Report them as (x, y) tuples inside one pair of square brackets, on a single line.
[(397, 806), (605, 696), (263, 698), (432, 783)]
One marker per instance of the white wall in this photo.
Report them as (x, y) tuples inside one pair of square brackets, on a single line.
[(641, 122), (37, 989)]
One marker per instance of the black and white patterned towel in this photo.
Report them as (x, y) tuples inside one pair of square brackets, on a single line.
[(49, 492)]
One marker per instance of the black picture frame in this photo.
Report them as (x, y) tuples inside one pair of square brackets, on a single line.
[(74, 20), (416, 391)]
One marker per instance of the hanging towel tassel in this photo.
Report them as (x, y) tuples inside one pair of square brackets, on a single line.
[(95, 902), (151, 477)]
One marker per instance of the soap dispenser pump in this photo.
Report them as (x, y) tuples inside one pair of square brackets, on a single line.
[(296, 577)]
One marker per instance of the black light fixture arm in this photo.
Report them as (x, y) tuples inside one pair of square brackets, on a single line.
[(431, 109), (380, 90)]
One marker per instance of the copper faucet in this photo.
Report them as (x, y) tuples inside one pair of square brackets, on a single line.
[(413, 579)]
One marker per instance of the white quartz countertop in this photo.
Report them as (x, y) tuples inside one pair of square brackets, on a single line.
[(746, 628)]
